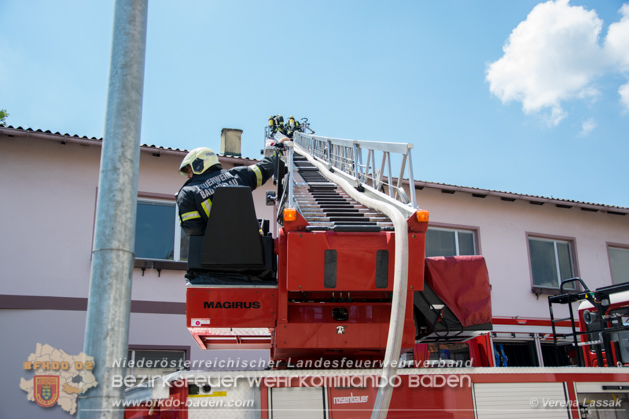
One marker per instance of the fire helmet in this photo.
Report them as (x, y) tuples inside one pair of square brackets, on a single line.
[(200, 159)]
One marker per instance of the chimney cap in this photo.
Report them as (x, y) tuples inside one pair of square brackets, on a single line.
[(230, 141)]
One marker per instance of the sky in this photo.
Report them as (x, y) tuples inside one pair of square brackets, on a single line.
[(520, 96)]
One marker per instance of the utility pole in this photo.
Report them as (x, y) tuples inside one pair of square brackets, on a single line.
[(107, 328)]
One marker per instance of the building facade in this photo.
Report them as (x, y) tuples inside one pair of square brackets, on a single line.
[(529, 244), (49, 182)]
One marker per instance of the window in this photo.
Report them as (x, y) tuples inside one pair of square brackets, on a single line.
[(515, 354), (458, 352), (142, 363), (619, 261), (449, 242), (532, 352), (558, 356), (551, 262), (157, 232)]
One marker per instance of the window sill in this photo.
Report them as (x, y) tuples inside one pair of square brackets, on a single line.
[(551, 291), (159, 264)]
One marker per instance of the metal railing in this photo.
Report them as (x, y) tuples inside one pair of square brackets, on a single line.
[(343, 160), (358, 162)]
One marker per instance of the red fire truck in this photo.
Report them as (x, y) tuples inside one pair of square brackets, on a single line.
[(353, 314)]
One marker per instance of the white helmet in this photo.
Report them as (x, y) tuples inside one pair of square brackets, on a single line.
[(200, 159)]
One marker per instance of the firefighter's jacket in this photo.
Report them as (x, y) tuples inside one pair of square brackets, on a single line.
[(194, 199)]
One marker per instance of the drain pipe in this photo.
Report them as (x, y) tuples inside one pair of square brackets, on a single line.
[(400, 282)]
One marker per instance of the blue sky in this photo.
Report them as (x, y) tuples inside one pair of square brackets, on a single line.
[(521, 96)]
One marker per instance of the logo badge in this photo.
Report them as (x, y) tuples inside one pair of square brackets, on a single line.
[(46, 390), (199, 322)]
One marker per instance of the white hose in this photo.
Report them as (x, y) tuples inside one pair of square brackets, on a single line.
[(400, 282)]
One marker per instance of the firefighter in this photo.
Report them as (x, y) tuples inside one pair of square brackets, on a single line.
[(291, 126), (272, 127), (279, 124), (205, 174)]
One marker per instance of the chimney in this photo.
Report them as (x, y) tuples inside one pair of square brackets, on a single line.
[(230, 141)]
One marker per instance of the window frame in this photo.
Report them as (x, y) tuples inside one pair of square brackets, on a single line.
[(538, 342), (176, 263), (528, 346), (161, 348), (456, 228), (536, 289), (609, 259)]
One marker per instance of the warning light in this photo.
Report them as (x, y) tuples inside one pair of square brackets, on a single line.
[(290, 214), (422, 216)]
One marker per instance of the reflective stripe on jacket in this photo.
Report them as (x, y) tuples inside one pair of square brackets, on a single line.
[(194, 199)]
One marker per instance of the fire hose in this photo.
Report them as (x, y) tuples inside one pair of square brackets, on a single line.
[(400, 281)]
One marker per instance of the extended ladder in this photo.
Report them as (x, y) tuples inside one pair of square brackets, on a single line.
[(369, 201), (355, 162)]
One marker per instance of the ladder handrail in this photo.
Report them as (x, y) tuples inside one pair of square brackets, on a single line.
[(340, 161), (400, 279), (347, 156)]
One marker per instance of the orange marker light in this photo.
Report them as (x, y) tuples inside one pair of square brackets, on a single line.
[(422, 216), (290, 214)]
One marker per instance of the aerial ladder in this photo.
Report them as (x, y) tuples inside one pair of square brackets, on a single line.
[(340, 280), (334, 217), (344, 277)]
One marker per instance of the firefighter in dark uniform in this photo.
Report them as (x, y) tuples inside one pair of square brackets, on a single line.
[(291, 126), (205, 174), (278, 124)]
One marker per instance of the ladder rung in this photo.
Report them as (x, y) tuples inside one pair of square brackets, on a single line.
[(356, 228), (593, 342), (561, 320)]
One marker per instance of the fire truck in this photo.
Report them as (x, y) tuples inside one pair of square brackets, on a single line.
[(339, 291)]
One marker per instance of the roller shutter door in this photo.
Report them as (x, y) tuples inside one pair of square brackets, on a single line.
[(298, 402), (520, 400)]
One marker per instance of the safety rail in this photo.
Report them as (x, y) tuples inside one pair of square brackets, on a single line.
[(601, 327), (346, 158)]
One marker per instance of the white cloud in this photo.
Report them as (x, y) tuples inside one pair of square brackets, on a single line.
[(587, 126), (555, 117), (617, 48), (617, 41), (554, 55), (624, 95)]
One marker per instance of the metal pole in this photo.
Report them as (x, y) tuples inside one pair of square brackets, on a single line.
[(107, 328)]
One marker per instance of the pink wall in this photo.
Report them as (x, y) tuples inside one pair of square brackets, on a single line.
[(49, 202), (48, 214), (503, 228)]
